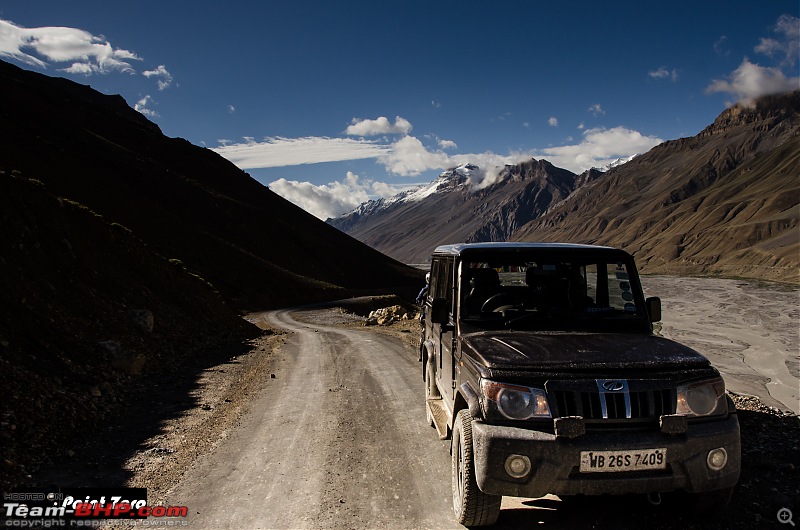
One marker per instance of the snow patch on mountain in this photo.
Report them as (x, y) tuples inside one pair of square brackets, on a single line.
[(465, 175), (447, 181), (618, 162)]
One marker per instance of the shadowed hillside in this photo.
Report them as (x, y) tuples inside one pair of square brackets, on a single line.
[(186, 202), (86, 307), (126, 255)]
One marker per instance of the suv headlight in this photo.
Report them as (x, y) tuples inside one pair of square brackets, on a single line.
[(706, 398), (513, 402)]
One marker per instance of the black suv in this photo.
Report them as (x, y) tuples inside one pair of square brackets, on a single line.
[(540, 361)]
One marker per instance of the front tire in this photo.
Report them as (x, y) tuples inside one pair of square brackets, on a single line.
[(471, 506)]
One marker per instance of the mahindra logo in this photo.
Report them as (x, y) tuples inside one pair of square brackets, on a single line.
[(613, 386)]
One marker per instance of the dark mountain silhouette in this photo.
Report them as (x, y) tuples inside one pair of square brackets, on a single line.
[(86, 307), (726, 201), (186, 202), (409, 226), (124, 253)]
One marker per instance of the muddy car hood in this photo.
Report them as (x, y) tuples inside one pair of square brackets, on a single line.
[(582, 351)]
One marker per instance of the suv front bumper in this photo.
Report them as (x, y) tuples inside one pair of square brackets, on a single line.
[(555, 461)]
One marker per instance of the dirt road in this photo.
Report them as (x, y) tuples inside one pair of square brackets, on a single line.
[(338, 441)]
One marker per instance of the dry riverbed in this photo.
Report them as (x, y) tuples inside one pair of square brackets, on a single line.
[(749, 331)]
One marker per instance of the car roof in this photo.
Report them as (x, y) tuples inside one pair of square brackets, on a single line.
[(460, 248)]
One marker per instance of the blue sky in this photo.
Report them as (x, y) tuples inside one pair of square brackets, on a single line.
[(332, 103)]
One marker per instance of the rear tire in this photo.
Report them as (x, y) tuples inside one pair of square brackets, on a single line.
[(471, 506)]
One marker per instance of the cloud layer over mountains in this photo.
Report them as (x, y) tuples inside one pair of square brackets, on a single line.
[(408, 156)]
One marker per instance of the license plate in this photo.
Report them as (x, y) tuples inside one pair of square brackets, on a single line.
[(614, 461)]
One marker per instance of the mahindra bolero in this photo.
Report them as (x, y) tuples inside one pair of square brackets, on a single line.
[(541, 365)]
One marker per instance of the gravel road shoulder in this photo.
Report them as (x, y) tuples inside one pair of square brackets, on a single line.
[(168, 422)]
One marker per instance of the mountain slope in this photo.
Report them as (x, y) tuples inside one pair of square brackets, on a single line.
[(453, 208), (726, 201), (127, 256), (86, 305), (184, 201)]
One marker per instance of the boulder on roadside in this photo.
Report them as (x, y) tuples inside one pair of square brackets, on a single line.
[(129, 362), (110, 347), (142, 318), (386, 315)]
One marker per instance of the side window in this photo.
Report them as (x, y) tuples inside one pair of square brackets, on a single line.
[(609, 284), (435, 266), (591, 282), (620, 293), (442, 279)]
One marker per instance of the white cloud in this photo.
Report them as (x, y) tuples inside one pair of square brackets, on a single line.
[(720, 46), (553, 121), (408, 156), (335, 198), (79, 69), (664, 73), (491, 165), (751, 81), (88, 54), (596, 109), (786, 47), (162, 76), (380, 125), (143, 106), (599, 148), (231, 109), (278, 152)]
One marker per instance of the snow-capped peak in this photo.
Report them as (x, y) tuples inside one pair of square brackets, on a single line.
[(618, 162), (462, 175)]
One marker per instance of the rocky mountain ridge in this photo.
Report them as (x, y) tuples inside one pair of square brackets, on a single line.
[(461, 205), (722, 202), (726, 201)]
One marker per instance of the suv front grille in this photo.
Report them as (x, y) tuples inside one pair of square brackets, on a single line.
[(597, 403)]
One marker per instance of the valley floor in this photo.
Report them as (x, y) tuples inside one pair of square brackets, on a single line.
[(200, 452), (749, 331)]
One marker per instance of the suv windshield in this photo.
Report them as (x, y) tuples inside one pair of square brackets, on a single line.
[(591, 295)]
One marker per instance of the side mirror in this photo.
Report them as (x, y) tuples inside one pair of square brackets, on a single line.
[(440, 311), (653, 305)]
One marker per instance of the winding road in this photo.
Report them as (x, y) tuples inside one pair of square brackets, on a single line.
[(338, 440)]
